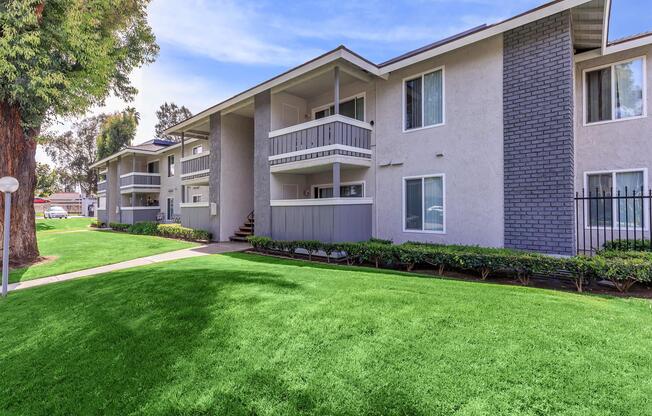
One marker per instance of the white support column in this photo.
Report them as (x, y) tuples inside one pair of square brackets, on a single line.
[(133, 169), (336, 180), (336, 92)]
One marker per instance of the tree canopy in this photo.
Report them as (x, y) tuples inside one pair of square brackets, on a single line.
[(46, 180), (60, 57), (117, 131), (74, 151), (168, 115)]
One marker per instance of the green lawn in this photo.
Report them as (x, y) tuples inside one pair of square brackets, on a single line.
[(243, 334), (76, 247)]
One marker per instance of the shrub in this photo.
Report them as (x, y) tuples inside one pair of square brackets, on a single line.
[(262, 244), (311, 246), (144, 228), (631, 245), (183, 233), (116, 226), (379, 241), (97, 224)]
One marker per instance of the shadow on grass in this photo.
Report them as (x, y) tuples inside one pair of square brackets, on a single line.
[(44, 226), (106, 346)]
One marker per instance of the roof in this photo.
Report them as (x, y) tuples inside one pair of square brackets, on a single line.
[(59, 196), (342, 53), (150, 147), (630, 38)]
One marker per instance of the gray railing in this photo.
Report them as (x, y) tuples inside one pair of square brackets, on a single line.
[(143, 179), (101, 186), (335, 132), (198, 164)]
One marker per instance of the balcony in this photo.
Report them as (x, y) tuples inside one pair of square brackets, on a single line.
[(327, 219), (101, 187), (140, 182), (196, 168), (319, 143)]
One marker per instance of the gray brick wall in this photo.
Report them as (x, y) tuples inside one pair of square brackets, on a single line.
[(538, 136)]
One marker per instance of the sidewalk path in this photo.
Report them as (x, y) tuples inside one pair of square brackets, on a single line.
[(205, 250)]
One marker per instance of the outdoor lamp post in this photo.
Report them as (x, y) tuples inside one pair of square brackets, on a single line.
[(8, 185)]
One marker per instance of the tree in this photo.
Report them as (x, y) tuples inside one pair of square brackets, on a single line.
[(59, 58), (46, 180), (117, 131), (74, 151), (168, 115)]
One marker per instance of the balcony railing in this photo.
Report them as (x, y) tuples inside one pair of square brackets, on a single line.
[(195, 166), (140, 179), (101, 186), (334, 135)]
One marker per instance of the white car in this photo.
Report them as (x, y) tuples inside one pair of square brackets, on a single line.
[(56, 212)]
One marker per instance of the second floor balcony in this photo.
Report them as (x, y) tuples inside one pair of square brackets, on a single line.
[(142, 180), (196, 167), (327, 140)]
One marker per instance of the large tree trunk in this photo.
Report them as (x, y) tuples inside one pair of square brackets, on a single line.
[(18, 159)]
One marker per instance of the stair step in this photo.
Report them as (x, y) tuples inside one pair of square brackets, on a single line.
[(242, 234), (246, 229), (236, 238)]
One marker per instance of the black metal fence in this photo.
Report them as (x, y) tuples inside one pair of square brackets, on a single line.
[(604, 216)]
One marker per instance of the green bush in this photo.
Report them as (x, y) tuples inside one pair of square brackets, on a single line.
[(116, 226), (379, 241), (262, 244), (96, 224), (144, 228), (631, 245), (183, 233)]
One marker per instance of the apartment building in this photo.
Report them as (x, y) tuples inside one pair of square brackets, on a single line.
[(483, 138)]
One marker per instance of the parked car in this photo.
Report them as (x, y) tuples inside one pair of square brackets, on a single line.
[(56, 212)]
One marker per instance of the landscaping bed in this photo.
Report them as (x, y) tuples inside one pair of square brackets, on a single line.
[(622, 269), (175, 231)]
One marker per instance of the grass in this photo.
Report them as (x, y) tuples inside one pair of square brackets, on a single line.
[(76, 247), (244, 334)]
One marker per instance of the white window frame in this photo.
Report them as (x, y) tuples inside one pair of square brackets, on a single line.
[(585, 101), (614, 209), (443, 99), (343, 100), (101, 203), (170, 175), (192, 152), (168, 217), (423, 213), (315, 188), (192, 198)]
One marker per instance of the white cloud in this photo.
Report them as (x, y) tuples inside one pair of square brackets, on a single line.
[(224, 31)]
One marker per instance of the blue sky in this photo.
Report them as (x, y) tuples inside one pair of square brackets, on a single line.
[(211, 50)]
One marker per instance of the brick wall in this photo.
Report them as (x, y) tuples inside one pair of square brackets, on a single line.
[(538, 136)]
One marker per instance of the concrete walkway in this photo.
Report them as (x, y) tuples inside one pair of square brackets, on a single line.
[(208, 249)]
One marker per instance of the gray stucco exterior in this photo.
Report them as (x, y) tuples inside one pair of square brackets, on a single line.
[(139, 215), (539, 137), (262, 127), (196, 217), (215, 140)]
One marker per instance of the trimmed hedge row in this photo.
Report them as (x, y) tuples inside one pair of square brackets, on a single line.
[(631, 245), (623, 269), (162, 230)]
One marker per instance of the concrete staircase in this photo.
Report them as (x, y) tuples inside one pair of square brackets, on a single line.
[(245, 230)]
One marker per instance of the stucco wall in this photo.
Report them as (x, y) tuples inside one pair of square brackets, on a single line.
[(112, 191), (471, 142), (623, 144), (262, 127), (295, 103), (237, 187), (170, 186)]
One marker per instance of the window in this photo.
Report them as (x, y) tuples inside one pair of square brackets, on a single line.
[(615, 92), (196, 198), (355, 190), (170, 165), (352, 108), (101, 203), (424, 204), (152, 167), (619, 211), (170, 213), (197, 150), (424, 100)]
